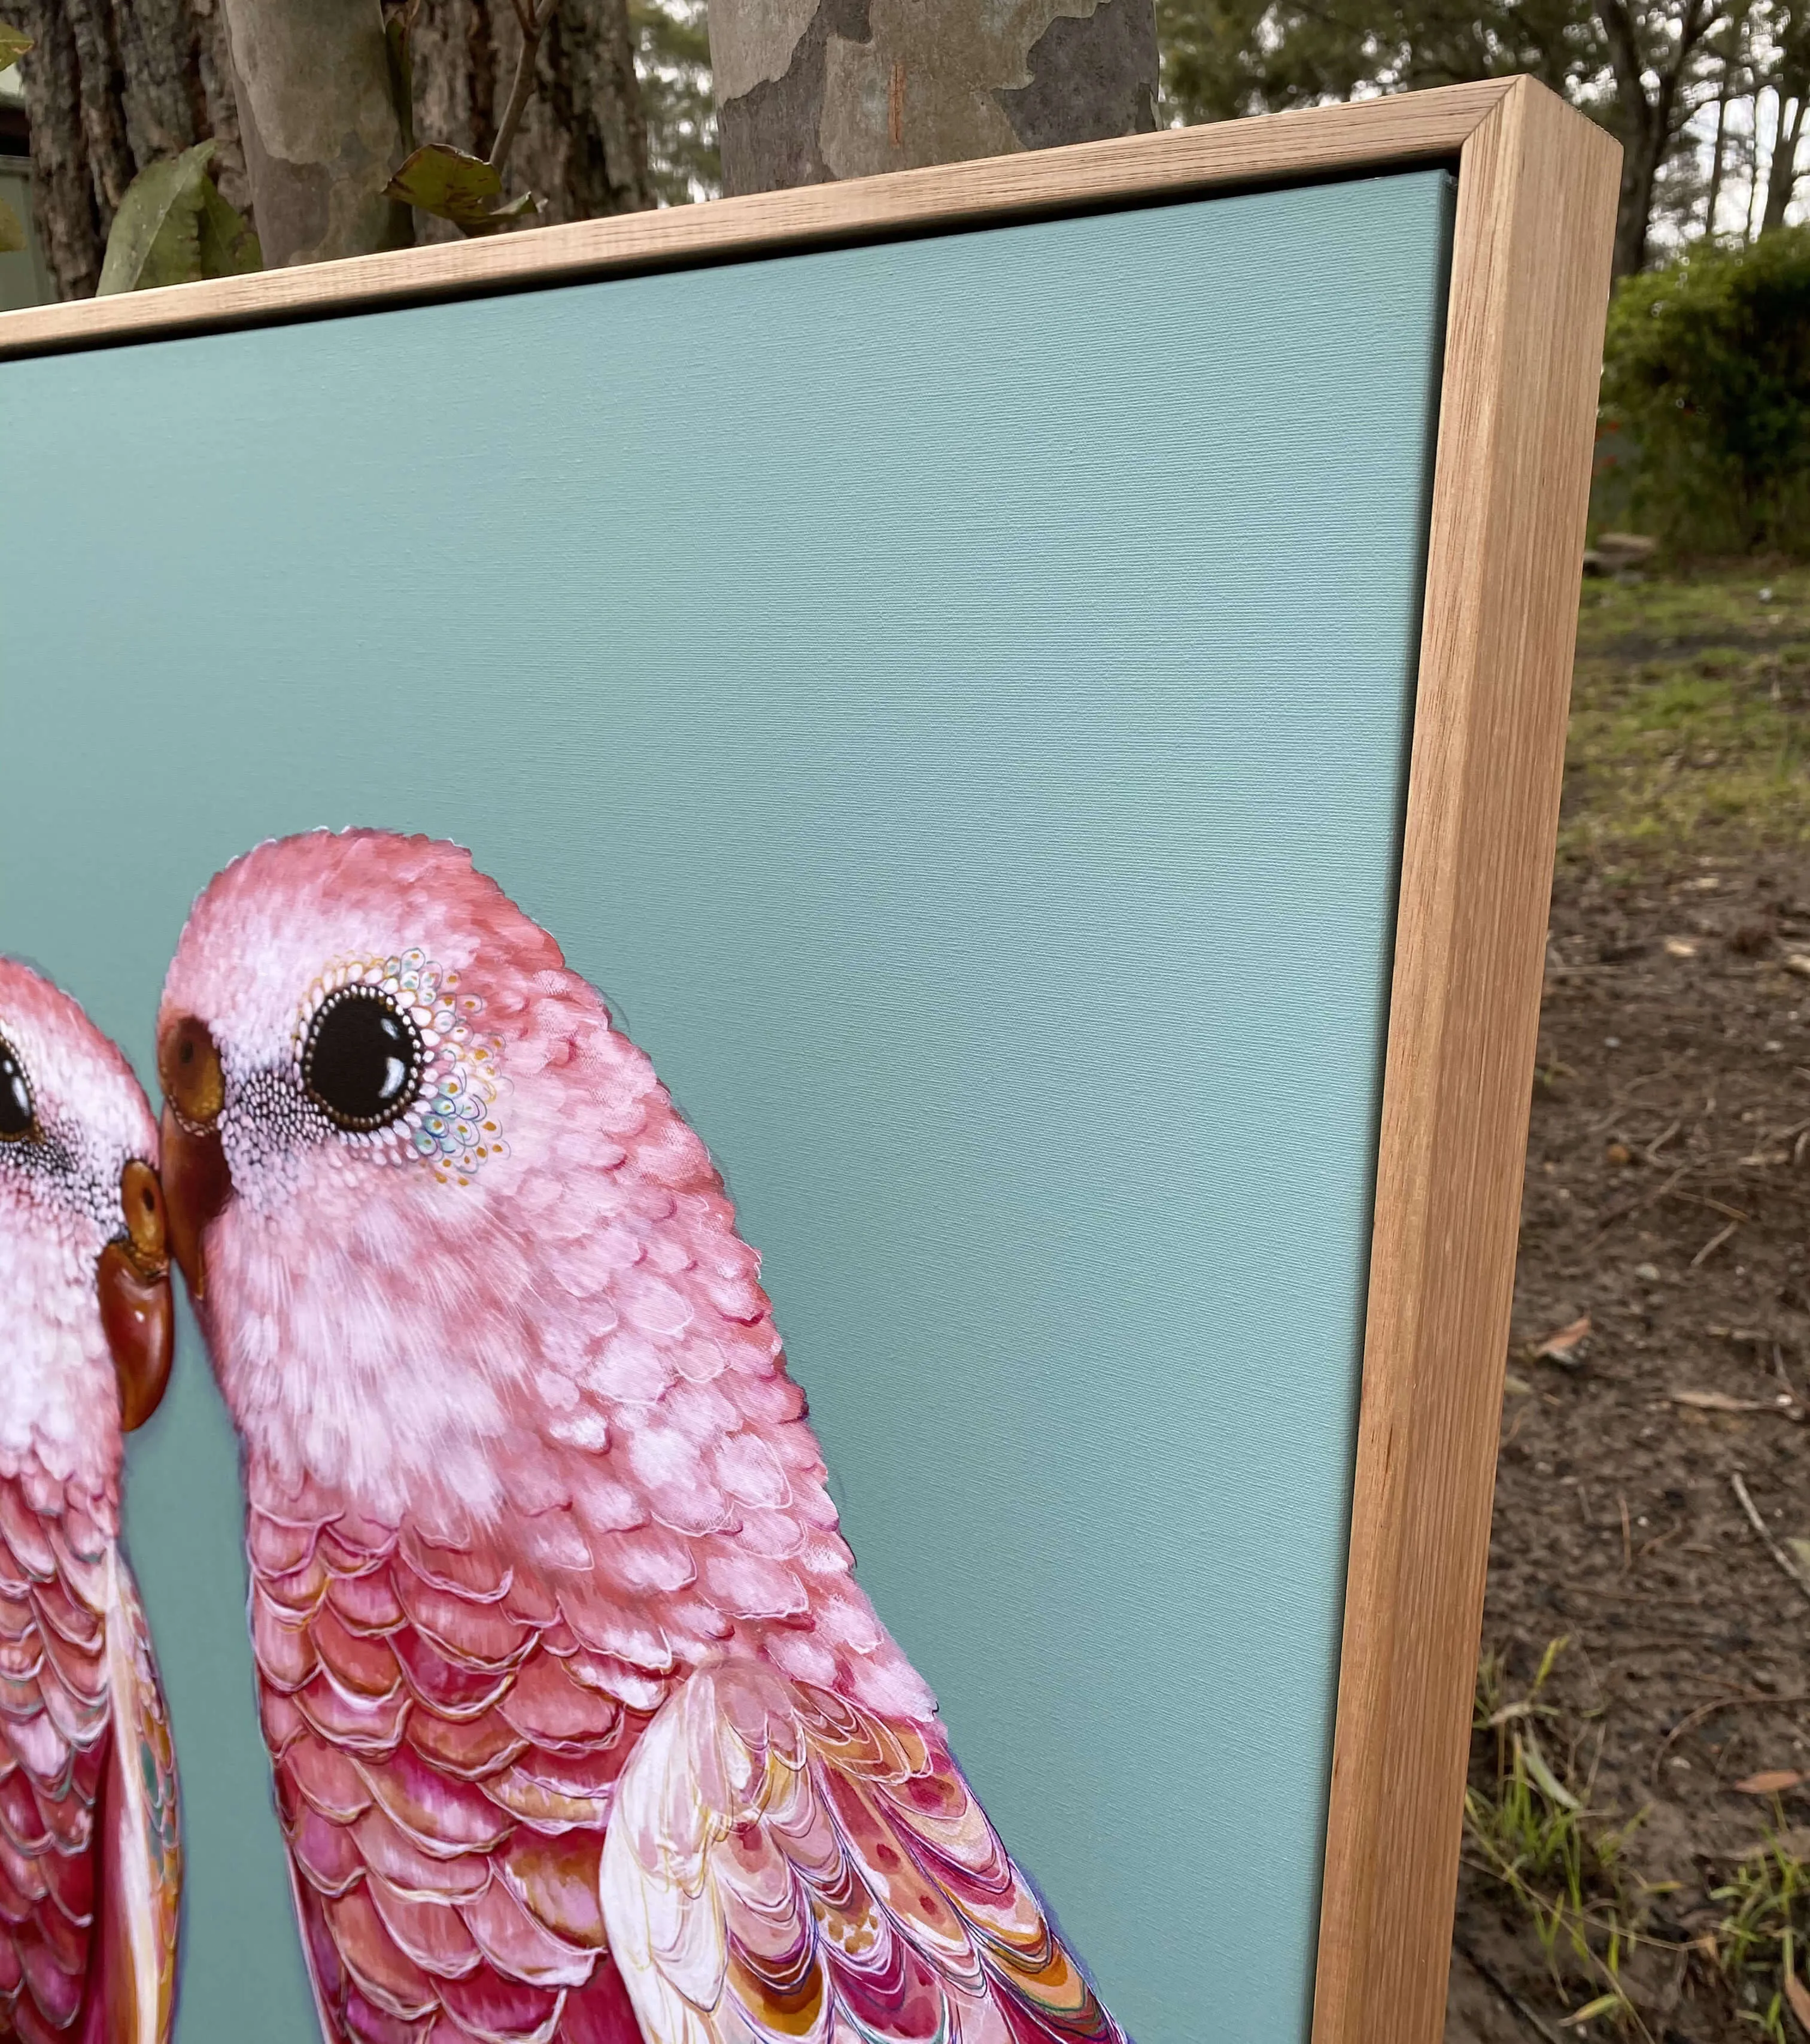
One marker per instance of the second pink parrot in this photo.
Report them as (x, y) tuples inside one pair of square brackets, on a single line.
[(582, 1729)]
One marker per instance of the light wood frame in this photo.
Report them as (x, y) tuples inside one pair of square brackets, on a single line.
[(1536, 212)]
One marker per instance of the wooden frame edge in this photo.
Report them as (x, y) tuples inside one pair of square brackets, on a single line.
[(1386, 133), (1536, 205)]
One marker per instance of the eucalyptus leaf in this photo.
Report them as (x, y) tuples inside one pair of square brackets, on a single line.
[(12, 230), (174, 227), (495, 222), (14, 45), (229, 245), (156, 233), (447, 182)]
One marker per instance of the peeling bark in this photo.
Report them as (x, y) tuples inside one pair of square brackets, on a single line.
[(111, 86), (322, 132), (810, 91), (582, 145)]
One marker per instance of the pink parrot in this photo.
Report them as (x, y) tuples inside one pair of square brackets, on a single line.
[(582, 1728), (90, 1860)]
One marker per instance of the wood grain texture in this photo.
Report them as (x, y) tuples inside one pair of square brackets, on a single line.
[(1415, 128), (1530, 274)]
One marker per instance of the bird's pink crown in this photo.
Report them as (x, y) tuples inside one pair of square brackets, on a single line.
[(324, 894)]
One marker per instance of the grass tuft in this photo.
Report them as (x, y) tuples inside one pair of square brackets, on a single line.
[(1690, 714), (1531, 1826)]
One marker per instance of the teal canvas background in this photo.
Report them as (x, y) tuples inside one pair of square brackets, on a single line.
[(953, 697)]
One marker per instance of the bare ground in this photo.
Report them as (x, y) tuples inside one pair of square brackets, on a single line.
[(1667, 1202)]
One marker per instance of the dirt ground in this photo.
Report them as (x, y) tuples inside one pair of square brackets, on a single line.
[(1667, 1203)]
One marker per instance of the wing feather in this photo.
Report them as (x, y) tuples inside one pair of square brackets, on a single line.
[(142, 1872), (54, 1722), (783, 1863)]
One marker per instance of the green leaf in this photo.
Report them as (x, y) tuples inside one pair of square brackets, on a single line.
[(174, 227), (1604, 2004), (1544, 1780), (230, 246), (449, 183), (12, 230), (156, 233), (14, 45)]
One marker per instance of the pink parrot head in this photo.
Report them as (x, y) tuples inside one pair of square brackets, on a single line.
[(396, 1127), (84, 1277), (459, 1260)]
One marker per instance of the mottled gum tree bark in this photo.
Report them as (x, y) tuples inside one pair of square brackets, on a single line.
[(322, 130), (111, 86), (810, 91)]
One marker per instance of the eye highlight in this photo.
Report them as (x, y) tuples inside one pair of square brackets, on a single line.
[(362, 1059), (18, 1117)]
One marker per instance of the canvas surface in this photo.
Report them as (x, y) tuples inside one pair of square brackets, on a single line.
[(953, 697)]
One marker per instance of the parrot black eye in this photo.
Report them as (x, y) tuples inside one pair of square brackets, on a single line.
[(362, 1062), (19, 1118)]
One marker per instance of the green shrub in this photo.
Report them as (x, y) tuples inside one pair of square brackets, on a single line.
[(1705, 436)]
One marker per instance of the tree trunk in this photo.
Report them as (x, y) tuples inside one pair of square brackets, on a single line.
[(111, 86), (1782, 165), (1752, 167), (1734, 38), (323, 135), (1641, 47), (582, 145), (810, 91)]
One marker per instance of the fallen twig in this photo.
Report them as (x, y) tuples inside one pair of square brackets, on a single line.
[(1621, 1213), (1759, 1525), (1720, 1401), (1658, 1143), (1747, 1699), (1715, 1243), (1490, 1977)]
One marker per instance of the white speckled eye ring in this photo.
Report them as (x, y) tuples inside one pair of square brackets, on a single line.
[(449, 1123)]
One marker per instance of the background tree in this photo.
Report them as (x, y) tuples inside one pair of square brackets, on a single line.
[(672, 60), (1789, 77), (582, 147), (1655, 52), (112, 86), (1645, 68), (809, 90)]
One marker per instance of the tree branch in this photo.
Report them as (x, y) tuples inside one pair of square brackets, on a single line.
[(533, 19)]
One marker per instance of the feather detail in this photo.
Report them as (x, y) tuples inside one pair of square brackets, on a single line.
[(444, 1754), (90, 1881), (53, 1745), (782, 1861), (141, 1869)]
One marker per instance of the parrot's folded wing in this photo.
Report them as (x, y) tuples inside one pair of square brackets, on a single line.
[(54, 1720), (780, 1861), (140, 1905)]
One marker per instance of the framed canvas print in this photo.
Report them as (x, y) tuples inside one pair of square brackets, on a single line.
[(933, 796)]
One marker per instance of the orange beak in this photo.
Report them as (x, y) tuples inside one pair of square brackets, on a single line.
[(196, 1181), (133, 1281)]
